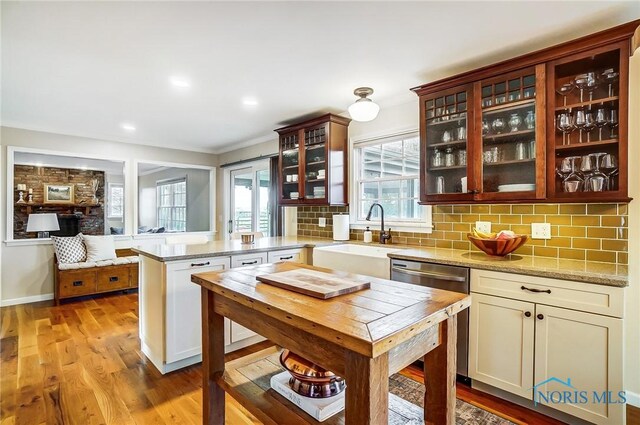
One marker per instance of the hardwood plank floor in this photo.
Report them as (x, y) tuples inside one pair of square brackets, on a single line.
[(80, 363)]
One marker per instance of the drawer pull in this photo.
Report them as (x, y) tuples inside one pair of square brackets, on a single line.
[(77, 283), (287, 258), (540, 316), (537, 291), (247, 263), (113, 278), (200, 264), (527, 314)]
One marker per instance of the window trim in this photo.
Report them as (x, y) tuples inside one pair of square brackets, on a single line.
[(173, 181), (109, 215), (425, 226)]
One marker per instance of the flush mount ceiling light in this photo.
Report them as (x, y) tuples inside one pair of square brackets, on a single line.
[(364, 109)]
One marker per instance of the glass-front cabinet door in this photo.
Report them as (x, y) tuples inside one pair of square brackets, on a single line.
[(447, 128), (290, 155), (315, 163), (511, 125)]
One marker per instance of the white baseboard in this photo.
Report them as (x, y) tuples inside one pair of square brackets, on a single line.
[(633, 399), (26, 300)]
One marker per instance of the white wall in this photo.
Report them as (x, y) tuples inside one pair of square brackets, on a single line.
[(632, 310), (27, 270)]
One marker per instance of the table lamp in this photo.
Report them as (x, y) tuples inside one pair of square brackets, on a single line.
[(43, 224)]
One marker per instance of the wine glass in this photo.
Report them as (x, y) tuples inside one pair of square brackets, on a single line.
[(598, 180), (586, 169), (609, 165), (601, 120), (610, 76), (613, 122), (573, 182), (564, 90), (579, 121), (564, 169), (565, 125), (589, 124), (587, 81)]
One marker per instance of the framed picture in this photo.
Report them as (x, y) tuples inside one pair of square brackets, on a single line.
[(58, 194)]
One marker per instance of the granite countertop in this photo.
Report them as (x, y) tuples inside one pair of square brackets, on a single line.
[(226, 248), (576, 270)]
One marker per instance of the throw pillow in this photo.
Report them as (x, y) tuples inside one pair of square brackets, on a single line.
[(100, 248), (69, 249)]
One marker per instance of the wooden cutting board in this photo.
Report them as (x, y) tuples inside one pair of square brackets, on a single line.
[(314, 283)]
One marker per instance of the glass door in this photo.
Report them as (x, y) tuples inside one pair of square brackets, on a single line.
[(512, 136), (315, 163), (445, 141), (249, 199), (290, 168)]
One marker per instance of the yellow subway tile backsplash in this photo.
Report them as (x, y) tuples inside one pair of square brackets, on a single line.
[(595, 232)]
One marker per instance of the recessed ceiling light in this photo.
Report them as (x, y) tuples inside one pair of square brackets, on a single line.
[(249, 101), (128, 127), (180, 82)]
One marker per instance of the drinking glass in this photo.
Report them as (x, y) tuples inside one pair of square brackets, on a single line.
[(613, 122), (485, 128), (590, 123), (565, 125), (601, 120), (579, 121), (498, 125), (564, 169), (564, 90), (530, 120), (588, 81), (609, 165), (573, 182), (587, 168), (597, 179), (610, 76)]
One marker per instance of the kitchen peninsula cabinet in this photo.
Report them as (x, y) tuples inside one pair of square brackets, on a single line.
[(549, 126), (314, 162)]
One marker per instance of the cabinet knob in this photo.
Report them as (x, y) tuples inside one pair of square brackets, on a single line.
[(527, 314), (540, 316)]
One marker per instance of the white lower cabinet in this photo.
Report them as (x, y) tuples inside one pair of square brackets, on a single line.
[(246, 260), (583, 347), (184, 307), (501, 338), (566, 359), (293, 255)]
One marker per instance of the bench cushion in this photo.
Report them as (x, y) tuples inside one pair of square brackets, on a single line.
[(133, 259)]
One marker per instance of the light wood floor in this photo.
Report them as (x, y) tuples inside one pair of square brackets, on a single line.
[(80, 363)]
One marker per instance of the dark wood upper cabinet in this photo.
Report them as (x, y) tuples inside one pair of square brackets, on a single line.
[(314, 162), (509, 133)]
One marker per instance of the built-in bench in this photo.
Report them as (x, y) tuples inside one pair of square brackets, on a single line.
[(94, 277)]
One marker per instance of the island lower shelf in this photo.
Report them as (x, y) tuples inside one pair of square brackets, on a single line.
[(247, 380)]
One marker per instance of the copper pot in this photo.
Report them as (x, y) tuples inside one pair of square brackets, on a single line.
[(309, 379)]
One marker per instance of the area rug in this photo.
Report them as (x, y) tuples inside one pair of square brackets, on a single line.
[(466, 414)]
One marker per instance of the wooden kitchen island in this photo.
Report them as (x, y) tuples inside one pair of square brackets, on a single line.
[(364, 337)]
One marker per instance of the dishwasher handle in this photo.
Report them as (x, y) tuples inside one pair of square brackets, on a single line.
[(434, 275)]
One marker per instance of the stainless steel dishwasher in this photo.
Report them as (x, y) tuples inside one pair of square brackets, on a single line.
[(450, 278)]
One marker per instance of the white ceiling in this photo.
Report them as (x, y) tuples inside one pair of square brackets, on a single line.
[(85, 68)]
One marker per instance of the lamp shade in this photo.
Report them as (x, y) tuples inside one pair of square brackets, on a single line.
[(364, 109), (43, 223)]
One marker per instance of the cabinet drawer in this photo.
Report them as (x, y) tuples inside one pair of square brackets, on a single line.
[(294, 255), (77, 282), (199, 264), (112, 277), (581, 296), (248, 259)]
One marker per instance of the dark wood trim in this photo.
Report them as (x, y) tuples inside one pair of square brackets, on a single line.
[(620, 33), (313, 122)]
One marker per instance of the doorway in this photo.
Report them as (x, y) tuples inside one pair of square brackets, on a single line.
[(250, 199)]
